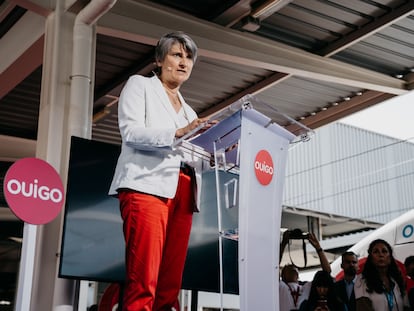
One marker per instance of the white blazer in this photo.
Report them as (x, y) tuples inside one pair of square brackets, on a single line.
[(147, 123), (379, 301)]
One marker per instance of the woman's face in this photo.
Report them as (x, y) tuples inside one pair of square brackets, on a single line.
[(176, 66), (381, 257), (322, 291)]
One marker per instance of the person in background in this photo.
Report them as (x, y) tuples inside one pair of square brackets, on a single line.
[(292, 292), (345, 288), (322, 296), (93, 307), (380, 286), (153, 181), (409, 268)]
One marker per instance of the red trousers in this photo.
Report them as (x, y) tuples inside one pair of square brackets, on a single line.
[(157, 232)]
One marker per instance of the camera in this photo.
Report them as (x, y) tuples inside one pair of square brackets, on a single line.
[(322, 304), (297, 234)]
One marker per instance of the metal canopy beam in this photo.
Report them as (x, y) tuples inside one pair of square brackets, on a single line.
[(142, 23), (368, 29)]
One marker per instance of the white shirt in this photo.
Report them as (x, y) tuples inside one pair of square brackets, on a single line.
[(290, 292), (379, 301)]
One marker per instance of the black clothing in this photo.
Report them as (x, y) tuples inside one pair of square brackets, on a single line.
[(341, 294), (411, 298)]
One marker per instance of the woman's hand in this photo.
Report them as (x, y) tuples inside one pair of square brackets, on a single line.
[(314, 241), (194, 124)]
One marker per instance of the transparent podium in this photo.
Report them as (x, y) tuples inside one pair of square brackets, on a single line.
[(246, 185)]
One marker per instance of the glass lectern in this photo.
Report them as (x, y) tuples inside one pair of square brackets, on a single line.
[(250, 152)]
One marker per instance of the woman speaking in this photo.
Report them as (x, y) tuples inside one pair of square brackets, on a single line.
[(154, 182)]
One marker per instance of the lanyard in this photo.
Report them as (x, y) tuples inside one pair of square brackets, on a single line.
[(390, 299), (295, 294)]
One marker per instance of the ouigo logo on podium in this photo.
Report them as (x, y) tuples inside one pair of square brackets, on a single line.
[(263, 167), (34, 191)]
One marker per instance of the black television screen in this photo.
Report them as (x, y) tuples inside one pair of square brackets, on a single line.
[(92, 240)]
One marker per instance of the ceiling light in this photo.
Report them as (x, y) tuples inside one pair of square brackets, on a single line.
[(313, 113), (15, 239), (399, 76), (269, 8), (335, 104), (324, 108), (5, 303), (358, 93), (347, 98)]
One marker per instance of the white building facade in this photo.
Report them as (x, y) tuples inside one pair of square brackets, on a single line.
[(348, 171)]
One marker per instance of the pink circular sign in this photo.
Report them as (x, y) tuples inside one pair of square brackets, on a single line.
[(34, 191), (263, 167)]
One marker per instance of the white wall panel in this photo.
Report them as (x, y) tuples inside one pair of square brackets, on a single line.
[(351, 172)]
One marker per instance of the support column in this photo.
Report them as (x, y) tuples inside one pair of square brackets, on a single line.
[(47, 291)]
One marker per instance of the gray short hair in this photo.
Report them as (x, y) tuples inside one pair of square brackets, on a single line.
[(168, 40)]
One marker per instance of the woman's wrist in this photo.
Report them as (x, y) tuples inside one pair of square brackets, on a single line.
[(179, 133)]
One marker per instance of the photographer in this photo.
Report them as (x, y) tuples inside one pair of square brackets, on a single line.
[(292, 292), (322, 296)]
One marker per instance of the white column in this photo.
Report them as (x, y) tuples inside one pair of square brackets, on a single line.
[(48, 292)]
